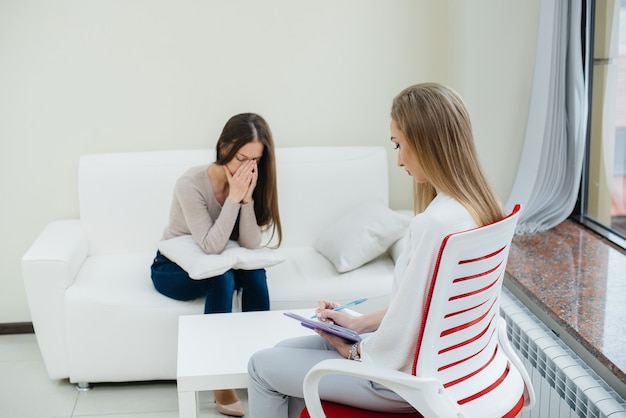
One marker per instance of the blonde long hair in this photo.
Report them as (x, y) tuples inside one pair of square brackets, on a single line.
[(437, 126)]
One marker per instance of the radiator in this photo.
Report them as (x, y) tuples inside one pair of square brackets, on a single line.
[(564, 385)]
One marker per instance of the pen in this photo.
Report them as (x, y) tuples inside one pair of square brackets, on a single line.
[(346, 305)]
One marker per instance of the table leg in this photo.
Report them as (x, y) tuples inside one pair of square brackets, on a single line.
[(188, 404)]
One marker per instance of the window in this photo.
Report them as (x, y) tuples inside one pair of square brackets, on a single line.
[(602, 203)]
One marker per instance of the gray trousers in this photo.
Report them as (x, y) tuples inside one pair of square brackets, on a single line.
[(275, 377)]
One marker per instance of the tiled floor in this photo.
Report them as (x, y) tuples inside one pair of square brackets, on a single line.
[(27, 392)]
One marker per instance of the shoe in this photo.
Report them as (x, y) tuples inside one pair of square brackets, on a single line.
[(234, 409)]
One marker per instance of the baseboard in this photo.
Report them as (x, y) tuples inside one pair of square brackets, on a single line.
[(17, 328)]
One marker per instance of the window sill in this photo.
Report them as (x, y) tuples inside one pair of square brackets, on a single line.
[(575, 282)]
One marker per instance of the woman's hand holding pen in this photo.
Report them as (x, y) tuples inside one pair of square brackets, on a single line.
[(325, 313), (333, 312), (322, 307), (325, 304)]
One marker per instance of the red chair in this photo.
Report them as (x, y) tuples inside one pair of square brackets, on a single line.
[(464, 365)]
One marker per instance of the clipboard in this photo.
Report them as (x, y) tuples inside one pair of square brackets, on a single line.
[(345, 333)]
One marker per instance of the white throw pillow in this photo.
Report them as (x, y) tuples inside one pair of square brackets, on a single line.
[(185, 251), (361, 235)]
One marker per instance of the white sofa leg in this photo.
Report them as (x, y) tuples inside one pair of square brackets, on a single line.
[(83, 386)]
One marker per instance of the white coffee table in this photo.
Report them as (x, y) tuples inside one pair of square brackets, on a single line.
[(213, 350)]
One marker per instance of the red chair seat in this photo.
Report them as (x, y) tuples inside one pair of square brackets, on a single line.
[(332, 409)]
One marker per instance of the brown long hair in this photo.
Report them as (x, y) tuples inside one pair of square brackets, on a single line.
[(438, 129), (238, 131)]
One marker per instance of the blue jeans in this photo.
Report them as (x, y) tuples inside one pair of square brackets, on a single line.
[(174, 282)]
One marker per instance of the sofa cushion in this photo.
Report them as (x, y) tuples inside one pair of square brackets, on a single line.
[(185, 251), (307, 276), (361, 235)]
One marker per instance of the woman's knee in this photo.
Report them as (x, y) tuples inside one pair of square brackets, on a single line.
[(252, 275), (251, 280), (224, 282), (314, 342), (256, 362)]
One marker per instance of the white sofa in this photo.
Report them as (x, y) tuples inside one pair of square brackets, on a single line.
[(96, 315)]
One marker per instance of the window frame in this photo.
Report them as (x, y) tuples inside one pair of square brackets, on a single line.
[(580, 212)]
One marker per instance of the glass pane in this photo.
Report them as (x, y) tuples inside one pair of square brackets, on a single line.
[(618, 190), (603, 195)]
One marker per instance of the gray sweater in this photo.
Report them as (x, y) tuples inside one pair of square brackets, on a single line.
[(196, 211)]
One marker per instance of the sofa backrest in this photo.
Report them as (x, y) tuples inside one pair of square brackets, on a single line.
[(124, 198), (318, 185)]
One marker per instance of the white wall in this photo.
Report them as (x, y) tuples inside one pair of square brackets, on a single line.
[(491, 58), (82, 77)]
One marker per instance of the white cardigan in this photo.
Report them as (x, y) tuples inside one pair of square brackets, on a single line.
[(393, 344)]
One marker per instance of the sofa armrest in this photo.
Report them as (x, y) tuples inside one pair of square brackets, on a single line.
[(49, 267)]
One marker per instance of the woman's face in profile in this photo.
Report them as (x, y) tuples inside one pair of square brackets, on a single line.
[(406, 156)]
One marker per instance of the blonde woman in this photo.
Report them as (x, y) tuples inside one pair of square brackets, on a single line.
[(431, 130)]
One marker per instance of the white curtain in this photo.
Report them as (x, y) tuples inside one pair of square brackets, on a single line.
[(549, 173)]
